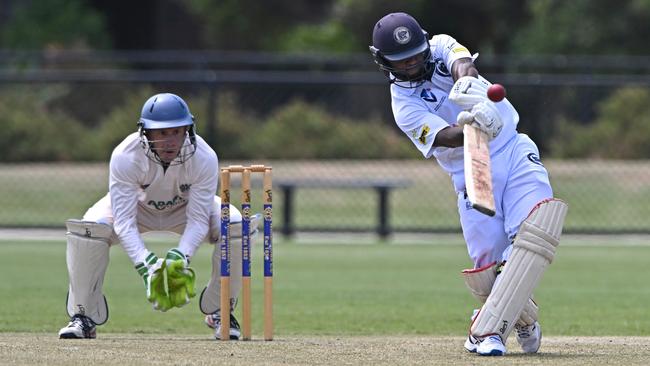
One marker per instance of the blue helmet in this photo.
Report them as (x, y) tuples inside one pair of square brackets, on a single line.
[(167, 110), (397, 37)]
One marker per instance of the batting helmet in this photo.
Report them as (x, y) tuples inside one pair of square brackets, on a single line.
[(167, 110), (397, 37)]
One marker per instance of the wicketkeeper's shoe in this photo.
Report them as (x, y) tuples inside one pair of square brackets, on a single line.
[(471, 343), (491, 346), (214, 321), (529, 337), (79, 327)]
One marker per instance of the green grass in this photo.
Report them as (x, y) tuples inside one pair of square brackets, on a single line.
[(344, 289)]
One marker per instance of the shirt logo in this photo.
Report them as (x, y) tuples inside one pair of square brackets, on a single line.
[(535, 159), (163, 205), (440, 68), (428, 95), (185, 187), (423, 135)]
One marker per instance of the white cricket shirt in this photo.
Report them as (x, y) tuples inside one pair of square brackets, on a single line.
[(137, 182), (423, 111)]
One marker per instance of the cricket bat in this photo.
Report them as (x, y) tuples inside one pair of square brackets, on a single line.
[(478, 171)]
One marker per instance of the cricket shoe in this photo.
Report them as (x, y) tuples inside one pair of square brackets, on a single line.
[(214, 321), (529, 337), (471, 343), (491, 346), (79, 327)]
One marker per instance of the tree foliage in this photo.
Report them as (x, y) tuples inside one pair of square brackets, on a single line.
[(55, 24), (620, 131), (584, 27)]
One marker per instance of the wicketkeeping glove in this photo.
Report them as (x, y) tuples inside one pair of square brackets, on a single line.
[(153, 275), (180, 278)]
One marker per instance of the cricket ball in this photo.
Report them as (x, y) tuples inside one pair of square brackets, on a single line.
[(496, 92)]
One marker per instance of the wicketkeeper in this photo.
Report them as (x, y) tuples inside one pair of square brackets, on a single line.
[(162, 178), (436, 89)]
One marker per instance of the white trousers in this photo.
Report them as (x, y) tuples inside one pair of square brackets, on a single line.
[(519, 182)]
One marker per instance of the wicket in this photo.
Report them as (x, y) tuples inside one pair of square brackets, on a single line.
[(246, 264)]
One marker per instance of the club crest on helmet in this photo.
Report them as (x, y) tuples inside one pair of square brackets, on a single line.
[(402, 35)]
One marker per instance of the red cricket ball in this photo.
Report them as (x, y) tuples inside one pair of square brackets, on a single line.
[(496, 92)]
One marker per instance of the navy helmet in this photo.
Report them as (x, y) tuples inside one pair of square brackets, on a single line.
[(397, 37), (167, 110)]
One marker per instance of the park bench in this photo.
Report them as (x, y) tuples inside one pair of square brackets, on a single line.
[(382, 187)]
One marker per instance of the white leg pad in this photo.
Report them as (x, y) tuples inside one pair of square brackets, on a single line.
[(87, 258), (480, 281), (534, 249)]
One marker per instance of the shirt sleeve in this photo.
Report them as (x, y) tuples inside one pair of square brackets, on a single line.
[(414, 119), (200, 203), (449, 50), (124, 188)]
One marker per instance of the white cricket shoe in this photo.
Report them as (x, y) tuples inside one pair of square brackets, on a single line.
[(79, 327), (214, 321), (529, 337), (471, 343), (491, 346)]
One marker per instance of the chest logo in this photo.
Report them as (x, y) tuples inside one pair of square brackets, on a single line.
[(428, 95), (185, 187)]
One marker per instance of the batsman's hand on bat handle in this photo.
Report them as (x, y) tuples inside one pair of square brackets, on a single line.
[(152, 272), (468, 91), (180, 278), (485, 116)]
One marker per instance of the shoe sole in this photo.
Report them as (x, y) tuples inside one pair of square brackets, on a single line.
[(72, 336), (232, 338), (494, 352)]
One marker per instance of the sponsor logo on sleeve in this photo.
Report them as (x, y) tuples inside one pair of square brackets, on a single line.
[(421, 134), (459, 49)]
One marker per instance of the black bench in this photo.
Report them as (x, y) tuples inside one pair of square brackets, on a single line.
[(381, 186)]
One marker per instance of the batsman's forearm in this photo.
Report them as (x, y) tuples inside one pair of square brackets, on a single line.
[(449, 137), (464, 67)]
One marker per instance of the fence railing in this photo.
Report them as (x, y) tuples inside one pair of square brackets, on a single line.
[(604, 196)]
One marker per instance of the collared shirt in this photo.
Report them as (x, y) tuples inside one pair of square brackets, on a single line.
[(423, 111), (137, 182)]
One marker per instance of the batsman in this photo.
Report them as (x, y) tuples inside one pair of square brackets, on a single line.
[(435, 90), (163, 177)]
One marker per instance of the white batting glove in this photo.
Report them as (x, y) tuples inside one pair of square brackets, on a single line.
[(464, 118), (487, 118), (469, 91)]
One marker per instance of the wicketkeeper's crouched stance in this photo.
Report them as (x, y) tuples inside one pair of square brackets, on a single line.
[(153, 186)]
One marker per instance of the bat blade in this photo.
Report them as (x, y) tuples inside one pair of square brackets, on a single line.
[(478, 171)]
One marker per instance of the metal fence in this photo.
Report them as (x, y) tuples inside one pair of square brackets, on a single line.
[(331, 193)]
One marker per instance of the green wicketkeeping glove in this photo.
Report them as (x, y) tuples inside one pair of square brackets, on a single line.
[(180, 278), (153, 275)]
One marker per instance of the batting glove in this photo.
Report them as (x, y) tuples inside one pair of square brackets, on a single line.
[(469, 91), (487, 117), (153, 275), (180, 278)]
